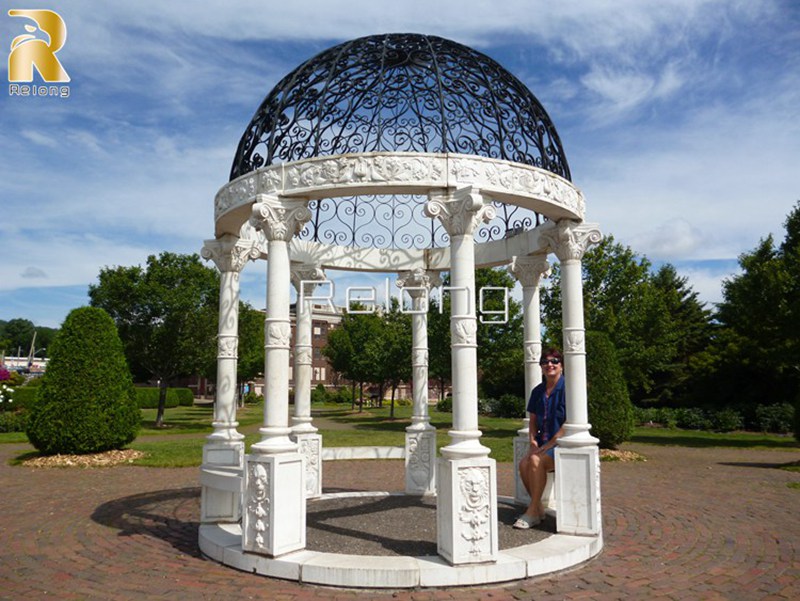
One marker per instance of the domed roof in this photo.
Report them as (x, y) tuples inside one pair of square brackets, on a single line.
[(402, 93)]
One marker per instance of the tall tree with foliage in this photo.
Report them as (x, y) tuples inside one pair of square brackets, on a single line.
[(251, 344), (86, 401), (646, 322), (758, 345), (676, 383), (353, 348), (610, 408), (166, 314), (501, 359), (394, 350)]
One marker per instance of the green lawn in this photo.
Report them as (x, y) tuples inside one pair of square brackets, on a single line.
[(180, 442)]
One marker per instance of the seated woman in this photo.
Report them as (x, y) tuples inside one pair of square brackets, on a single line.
[(548, 412)]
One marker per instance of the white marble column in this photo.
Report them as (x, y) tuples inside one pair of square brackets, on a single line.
[(309, 441), (274, 512), (420, 435), (223, 452), (466, 505), (528, 270), (577, 454)]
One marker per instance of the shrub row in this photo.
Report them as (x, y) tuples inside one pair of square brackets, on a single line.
[(147, 397), (13, 421), (777, 418)]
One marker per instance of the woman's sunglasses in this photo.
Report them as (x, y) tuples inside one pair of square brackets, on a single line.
[(553, 361)]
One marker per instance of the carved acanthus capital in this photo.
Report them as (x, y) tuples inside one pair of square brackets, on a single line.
[(418, 282), (529, 269), (230, 253), (279, 218), (306, 273), (460, 211), (569, 240)]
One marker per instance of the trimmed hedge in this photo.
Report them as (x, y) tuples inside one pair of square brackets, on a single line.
[(610, 407), (25, 396), (86, 402), (147, 397)]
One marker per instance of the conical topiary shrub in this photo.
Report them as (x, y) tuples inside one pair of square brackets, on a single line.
[(610, 407), (86, 402)]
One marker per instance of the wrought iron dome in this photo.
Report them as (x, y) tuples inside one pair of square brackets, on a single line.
[(400, 93)]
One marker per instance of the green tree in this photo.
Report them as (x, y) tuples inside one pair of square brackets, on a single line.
[(623, 299), (166, 315), (86, 400), (676, 383), (19, 334), (501, 361), (393, 350), (440, 364), (353, 348), (610, 408), (758, 345), (251, 344)]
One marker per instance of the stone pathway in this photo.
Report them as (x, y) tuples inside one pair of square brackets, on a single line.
[(686, 524)]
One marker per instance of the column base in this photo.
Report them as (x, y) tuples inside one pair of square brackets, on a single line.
[(465, 445), (466, 510), (421, 461), (274, 508), (578, 490), (309, 445)]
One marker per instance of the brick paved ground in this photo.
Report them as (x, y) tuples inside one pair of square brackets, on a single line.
[(687, 524)]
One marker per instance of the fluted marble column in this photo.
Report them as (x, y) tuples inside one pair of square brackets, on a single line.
[(274, 503), (528, 270), (577, 454), (309, 441), (223, 452), (466, 504), (420, 435)]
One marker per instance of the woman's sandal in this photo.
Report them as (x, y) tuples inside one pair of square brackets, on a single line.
[(526, 521)]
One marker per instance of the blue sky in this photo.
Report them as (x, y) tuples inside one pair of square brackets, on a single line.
[(680, 120)]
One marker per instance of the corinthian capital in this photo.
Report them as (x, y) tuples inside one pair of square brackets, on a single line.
[(569, 240), (460, 211), (229, 252), (279, 218), (418, 282), (306, 273), (529, 269)]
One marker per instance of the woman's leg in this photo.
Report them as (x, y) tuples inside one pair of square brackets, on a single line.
[(535, 481)]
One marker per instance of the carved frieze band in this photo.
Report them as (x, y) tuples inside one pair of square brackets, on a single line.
[(230, 254), (420, 453), (411, 173), (463, 331), (227, 347), (258, 506), (533, 351), (278, 334), (419, 357), (461, 212), (474, 507), (279, 218), (574, 341), (569, 240), (529, 269), (310, 449), (302, 355)]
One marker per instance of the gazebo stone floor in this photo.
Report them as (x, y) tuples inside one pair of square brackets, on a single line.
[(388, 540)]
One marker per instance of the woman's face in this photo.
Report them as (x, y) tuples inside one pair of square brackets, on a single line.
[(551, 367)]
